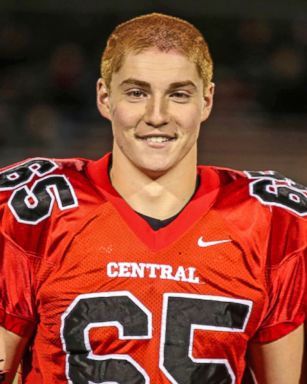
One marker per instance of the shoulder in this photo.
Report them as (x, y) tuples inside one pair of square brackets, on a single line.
[(23, 172), (267, 209), (31, 187), (36, 192), (269, 188), (274, 189)]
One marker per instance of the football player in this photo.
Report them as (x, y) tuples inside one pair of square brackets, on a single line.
[(142, 267)]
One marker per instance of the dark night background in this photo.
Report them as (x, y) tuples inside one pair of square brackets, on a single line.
[(49, 62)]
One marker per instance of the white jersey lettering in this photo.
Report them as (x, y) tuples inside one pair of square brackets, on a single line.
[(152, 271)]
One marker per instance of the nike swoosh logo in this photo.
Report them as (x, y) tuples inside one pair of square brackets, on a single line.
[(203, 244)]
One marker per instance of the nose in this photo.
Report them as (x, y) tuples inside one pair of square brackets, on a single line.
[(156, 114)]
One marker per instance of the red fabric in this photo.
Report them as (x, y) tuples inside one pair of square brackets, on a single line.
[(21, 327), (102, 247), (276, 331), (17, 312)]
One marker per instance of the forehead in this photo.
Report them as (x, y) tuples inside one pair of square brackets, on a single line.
[(157, 67)]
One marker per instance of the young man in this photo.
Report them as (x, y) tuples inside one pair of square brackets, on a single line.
[(141, 267)]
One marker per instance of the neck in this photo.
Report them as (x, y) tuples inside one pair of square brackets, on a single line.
[(158, 197)]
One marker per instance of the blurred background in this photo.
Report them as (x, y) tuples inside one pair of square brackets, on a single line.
[(49, 63)]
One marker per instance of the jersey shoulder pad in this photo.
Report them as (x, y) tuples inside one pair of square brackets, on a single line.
[(30, 188), (270, 188), (274, 189)]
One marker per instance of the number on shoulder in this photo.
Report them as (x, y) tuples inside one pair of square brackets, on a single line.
[(272, 188), (32, 204)]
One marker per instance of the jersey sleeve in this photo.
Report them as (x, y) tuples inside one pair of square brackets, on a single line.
[(16, 263), (285, 276), (35, 196), (16, 298)]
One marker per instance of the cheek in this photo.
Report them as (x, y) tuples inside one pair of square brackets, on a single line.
[(190, 120), (125, 116)]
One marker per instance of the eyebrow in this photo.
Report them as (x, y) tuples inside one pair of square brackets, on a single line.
[(145, 84)]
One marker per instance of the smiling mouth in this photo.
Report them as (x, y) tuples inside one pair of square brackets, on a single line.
[(156, 139)]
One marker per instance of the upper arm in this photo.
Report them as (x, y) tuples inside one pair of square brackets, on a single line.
[(12, 348), (280, 361)]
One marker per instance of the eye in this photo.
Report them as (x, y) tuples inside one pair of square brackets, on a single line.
[(180, 96), (136, 94)]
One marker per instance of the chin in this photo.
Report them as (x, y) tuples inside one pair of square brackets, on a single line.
[(154, 172)]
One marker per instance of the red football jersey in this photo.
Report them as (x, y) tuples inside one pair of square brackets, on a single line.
[(106, 299)]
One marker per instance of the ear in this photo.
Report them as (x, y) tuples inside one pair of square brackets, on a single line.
[(103, 99), (208, 101)]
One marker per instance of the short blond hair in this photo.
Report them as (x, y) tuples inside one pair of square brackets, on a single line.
[(160, 31)]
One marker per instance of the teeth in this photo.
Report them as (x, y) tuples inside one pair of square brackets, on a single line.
[(157, 139)]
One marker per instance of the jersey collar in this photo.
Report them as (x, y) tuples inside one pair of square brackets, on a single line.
[(198, 206)]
